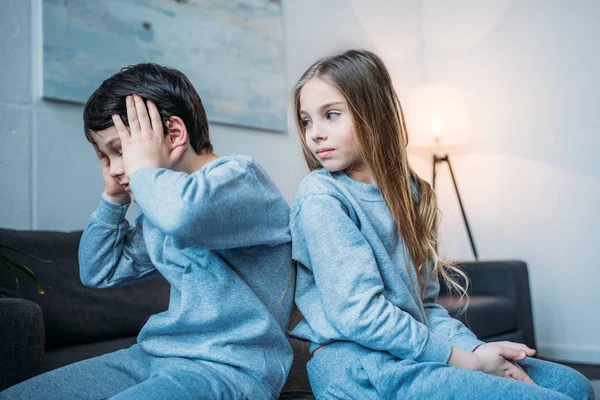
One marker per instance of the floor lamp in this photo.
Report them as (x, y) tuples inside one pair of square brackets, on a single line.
[(437, 117)]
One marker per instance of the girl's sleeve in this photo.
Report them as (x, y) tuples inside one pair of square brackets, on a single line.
[(351, 287), (441, 323), (111, 252)]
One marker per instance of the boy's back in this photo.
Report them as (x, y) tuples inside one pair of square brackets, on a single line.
[(220, 236), (215, 228)]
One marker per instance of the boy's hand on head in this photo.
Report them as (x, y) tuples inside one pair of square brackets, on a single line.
[(143, 144), (113, 190)]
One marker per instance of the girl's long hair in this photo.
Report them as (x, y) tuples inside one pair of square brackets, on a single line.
[(378, 119)]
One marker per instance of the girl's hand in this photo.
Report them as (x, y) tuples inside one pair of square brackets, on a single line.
[(113, 190), (498, 360), (518, 346)]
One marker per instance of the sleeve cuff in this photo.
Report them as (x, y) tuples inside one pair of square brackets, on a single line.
[(435, 350), (466, 342), (109, 213), (139, 181)]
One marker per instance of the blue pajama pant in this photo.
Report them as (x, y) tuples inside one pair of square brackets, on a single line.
[(346, 370), (134, 374)]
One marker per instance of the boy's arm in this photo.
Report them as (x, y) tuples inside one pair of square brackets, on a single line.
[(441, 323), (351, 287), (111, 253), (230, 206)]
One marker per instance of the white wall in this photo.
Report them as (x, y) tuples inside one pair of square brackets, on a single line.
[(529, 180)]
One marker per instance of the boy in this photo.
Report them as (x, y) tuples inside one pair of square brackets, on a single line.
[(215, 227)]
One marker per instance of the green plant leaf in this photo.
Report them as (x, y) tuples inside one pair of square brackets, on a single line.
[(24, 270), (4, 246), (11, 270)]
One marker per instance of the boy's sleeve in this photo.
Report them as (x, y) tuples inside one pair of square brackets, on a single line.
[(351, 286), (112, 253), (227, 207), (441, 323)]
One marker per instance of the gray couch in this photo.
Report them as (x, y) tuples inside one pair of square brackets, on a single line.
[(70, 322)]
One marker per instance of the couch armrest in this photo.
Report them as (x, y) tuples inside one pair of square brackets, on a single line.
[(22, 341), (508, 279)]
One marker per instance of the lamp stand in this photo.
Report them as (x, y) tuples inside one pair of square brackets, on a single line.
[(437, 159)]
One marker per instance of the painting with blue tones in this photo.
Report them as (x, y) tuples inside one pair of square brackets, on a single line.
[(232, 51)]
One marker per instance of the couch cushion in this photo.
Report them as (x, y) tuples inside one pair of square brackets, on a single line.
[(486, 316), (56, 358), (297, 380), (73, 313)]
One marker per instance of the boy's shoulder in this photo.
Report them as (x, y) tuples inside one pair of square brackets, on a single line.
[(241, 168), (236, 163)]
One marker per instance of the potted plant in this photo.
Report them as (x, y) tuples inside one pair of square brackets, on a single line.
[(14, 266)]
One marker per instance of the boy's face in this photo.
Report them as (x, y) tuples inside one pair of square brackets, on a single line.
[(109, 144)]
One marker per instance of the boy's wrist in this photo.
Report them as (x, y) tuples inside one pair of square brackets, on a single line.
[(121, 199)]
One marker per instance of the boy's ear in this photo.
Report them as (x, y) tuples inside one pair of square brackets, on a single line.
[(177, 135)]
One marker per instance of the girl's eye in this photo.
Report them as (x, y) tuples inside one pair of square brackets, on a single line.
[(120, 154), (305, 122), (332, 115)]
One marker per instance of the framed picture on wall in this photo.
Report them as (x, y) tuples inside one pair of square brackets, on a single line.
[(232, 51)]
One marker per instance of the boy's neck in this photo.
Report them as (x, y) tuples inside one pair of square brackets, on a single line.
[(193, 162)]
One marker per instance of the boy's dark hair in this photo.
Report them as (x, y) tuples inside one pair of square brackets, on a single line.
[(169, 89)]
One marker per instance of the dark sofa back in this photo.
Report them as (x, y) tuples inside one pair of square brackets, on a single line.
[(73, 313)]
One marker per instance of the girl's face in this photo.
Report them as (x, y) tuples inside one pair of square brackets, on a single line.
[(328, 128)]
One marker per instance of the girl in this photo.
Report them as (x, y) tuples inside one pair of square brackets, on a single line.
[(364, 233)]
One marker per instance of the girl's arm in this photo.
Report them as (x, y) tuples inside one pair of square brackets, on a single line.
[(230, 206), (326, 240), (441, 323), (111, 253)]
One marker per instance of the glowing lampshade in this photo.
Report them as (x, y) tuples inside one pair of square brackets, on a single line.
[(437, 115)]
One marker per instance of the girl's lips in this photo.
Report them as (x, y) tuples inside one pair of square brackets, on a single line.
[(126, 187), (323, 154)]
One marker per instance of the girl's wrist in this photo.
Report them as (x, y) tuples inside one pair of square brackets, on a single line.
[(464, 359)]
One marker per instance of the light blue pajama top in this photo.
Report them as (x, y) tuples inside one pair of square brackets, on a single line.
[(352, 283), (220, 236)]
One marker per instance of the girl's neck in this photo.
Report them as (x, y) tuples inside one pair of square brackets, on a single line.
[(362, 174)]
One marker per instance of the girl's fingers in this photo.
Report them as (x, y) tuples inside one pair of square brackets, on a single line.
[(512, 354), (519, 346), (142, 115), (155, 120), (519, 374)]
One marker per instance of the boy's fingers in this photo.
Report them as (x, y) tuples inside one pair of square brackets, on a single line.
[(132, 116), (121, 130), (155, 119), (142, 115)]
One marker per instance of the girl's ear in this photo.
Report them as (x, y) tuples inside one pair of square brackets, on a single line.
[(177, 136)]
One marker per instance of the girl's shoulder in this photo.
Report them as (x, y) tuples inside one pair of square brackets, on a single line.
[(319, 183)]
